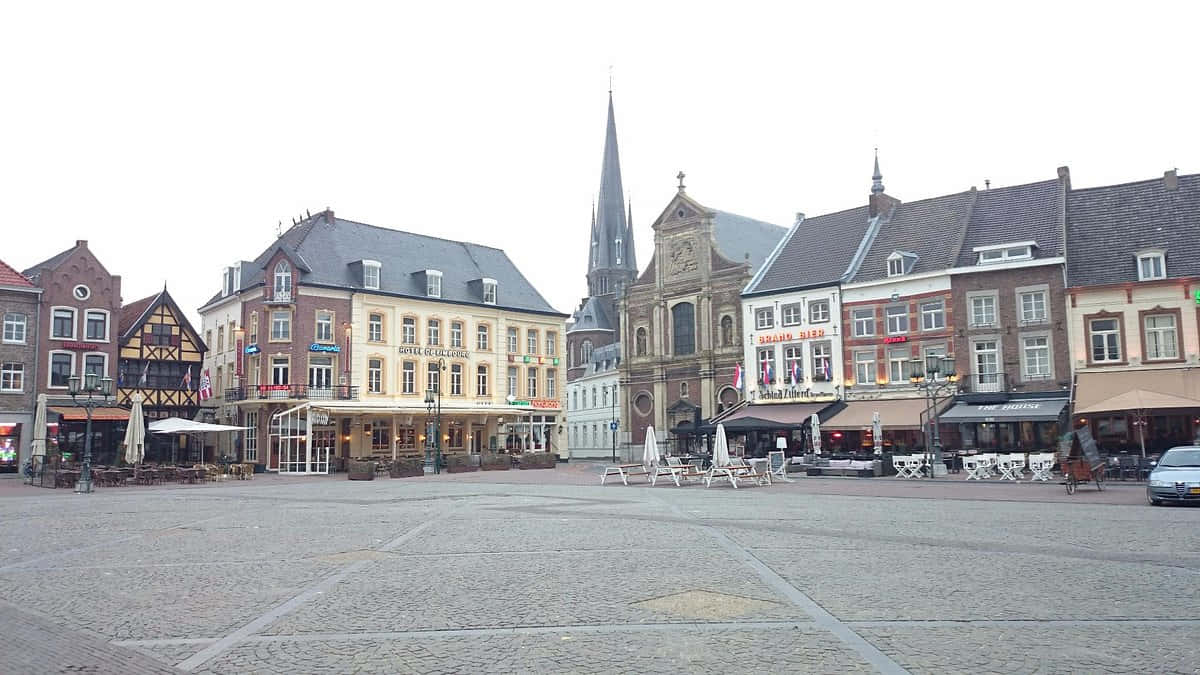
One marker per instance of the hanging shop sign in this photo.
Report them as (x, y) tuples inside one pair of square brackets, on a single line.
[(331, 349), (894, 339), (436, 351), (794, 394), (790, 336), (252, 349), (239, 350), (79, 346)]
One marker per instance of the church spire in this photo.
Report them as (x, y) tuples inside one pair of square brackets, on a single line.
[(612, 226), (876, 178)]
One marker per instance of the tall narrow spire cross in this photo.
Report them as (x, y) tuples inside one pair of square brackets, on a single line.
[(876, 178), (681, 176)]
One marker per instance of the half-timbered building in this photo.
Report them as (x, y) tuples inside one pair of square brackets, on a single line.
[(160, 356)]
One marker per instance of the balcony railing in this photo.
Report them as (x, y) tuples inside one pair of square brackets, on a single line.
[(283, 392), (280, 297), (983, 383)]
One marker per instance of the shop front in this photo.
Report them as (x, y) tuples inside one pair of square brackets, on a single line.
[(1129, 411), (852, 429), (1016, 425), (757, 428), (108, 431), (11, 443)]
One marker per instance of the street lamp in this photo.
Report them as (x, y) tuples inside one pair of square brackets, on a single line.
[(612, 427), (433, 434), (93, 385), (924, 377)]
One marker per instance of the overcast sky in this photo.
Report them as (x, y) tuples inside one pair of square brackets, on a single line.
[(175, 136)]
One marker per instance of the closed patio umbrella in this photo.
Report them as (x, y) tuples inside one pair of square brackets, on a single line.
[(877, 433), (135, 433), (37, 451), (650, 452), (721, 448), (815, 423)]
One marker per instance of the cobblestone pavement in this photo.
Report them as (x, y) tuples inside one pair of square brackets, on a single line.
[(547, 571)]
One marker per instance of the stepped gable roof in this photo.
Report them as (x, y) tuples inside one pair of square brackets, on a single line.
[(1029, 212), (11, 277), (1107, 225), (930, 228), (738, 236), (816, 251)]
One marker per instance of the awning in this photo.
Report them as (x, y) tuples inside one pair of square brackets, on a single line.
[(774, 415), (1138, 399), (1098, 392), (902, 413), (72, 413), (176, 425), (1026, 410)]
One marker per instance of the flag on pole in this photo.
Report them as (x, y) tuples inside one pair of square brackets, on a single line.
[(205, 385), (187, 378), (145, 375), (828, 374), (738, 378), (768, 373), (795, 372)]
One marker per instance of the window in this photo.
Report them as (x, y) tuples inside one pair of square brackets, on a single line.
[(897, 320), (727, 331), (513, 341), (207, 338), (96, 364), (1106, 341), (764, 318), (895, 265), (987, 364), (640, 342), (1033, 307), (370, 274), (822, 364), (433, 283), (220, 338), (456, 334), (324, 331), (433, 332), (551, 343), (320, 372), (375, 376), (481, 381), (279, 370), (62, 326), (1151, 266), (408, 377), (456, 379), (489, 292), (683, 390), (864, 323), (62, 365), (1035, 352), (531, 383), (255, 370), (792, 314), (1004, 252), (594, 397), (531, 341), (684, 321), (864, 367), (818, 311), (793, 362), (454, 435), (12, 377), (283, 281), (250, 437), (551, 383), (481, 337), (433, 377), (254, 330), (14, 328), (983, 310), (933, 315), (766, 366), (96, 325), (381, 434), (1161, 339), (899, 366), (281, 326), (585, 351), (220, 387), (408, 329), (512, 380), (575, 399)]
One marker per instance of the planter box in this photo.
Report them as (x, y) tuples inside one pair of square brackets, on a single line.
[(460, 464), (538, 460), (407, 468), (495, 461), (359, 470)]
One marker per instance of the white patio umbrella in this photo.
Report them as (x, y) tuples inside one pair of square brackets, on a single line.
[(815, 423), (39, 428), (135, 433), (877, 433), (721, 448), (650, 452)]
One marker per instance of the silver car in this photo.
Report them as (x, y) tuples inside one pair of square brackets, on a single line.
[(1177, 477)]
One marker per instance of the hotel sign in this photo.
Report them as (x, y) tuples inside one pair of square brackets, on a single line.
[(317, 347), (789, 336), (436, 351), (796, 394)]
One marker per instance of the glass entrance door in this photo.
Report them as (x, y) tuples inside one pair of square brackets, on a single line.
[(324, 445)]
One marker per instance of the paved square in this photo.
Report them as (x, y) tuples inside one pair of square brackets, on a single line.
[(547, 571)]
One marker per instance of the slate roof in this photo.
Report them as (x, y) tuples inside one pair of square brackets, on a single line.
[(132, 313), (49, 264), (1106, 225), (1029, 212), (325, 246), (591, 316), (135, 314), (737, 236), (930, 228), (11, 277), (816, 251)]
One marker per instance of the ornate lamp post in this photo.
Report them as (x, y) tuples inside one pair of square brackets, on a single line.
[(612, 427), (433, 432), (924, 376), (98, 390)]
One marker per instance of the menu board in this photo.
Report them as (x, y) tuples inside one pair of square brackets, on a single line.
[(1091, 452), (1064, 446), (776, 461)]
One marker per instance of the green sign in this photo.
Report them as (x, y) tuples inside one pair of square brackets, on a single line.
[(1198, 296)]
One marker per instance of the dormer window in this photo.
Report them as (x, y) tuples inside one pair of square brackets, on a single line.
[(900, 263), (1021, 250), (1152, 264), (283, 280), (489, 291), (227, 281), (370, 274), (433, 283), (895, 266)]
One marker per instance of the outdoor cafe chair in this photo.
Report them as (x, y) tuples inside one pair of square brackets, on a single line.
[(1040, 464), (975, 466), (1011, 466)]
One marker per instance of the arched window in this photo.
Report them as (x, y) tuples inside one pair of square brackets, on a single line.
[(683, 321), (727, 331), (283, 278), (585, 352), (641, 342)]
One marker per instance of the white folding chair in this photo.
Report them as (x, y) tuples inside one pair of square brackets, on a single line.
[(901, 464), (974, 465), (1040, 465)]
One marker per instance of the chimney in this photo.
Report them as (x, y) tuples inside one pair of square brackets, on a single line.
[(799, 216), (1064, 176), (81, 243), (1171, 180), (881, 203), (328, 215)]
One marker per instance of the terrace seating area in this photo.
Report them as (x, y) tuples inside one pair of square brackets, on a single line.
[(67, 475)]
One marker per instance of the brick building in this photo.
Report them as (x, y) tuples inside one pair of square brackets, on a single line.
[(19, 312)]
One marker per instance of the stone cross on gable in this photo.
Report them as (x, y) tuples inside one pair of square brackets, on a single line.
[(681, 177)]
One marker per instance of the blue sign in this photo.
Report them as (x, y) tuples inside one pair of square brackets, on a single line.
[(613, 425), (333, 349), (252, 349)]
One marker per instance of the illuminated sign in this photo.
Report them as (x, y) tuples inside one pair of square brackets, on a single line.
[(1198, 296), (894, 339), (787, 337), (794, 394), (436, 351), (544, 360), (252, 349), (332, 349), (537, 403), (274, 387), (77, 345)]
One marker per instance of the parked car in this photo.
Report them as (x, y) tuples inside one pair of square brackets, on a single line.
[(1176, 478)]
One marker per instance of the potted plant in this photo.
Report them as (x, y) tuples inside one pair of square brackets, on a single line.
[(360, 469)]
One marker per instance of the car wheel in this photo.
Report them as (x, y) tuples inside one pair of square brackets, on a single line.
[(1153, 501)]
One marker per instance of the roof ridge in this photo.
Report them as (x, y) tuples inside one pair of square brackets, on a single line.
[(1132, 182), (419, 234), (6, 267)]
